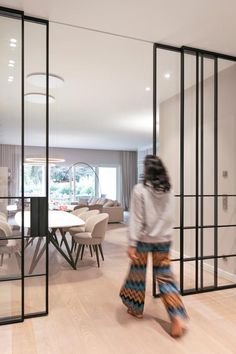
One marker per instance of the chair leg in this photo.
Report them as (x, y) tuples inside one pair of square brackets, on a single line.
[(72, 245), (97, 255), (18, 259), (91, 251), (100, 249), (1, 262), (82, 253), (61, 243), (77, 256)]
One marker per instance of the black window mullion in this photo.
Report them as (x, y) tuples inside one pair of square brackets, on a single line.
[(216, 171), (201, 167), (182, 110), (197, 172)]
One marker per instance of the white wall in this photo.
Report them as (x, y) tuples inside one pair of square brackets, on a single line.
[(170, 152)]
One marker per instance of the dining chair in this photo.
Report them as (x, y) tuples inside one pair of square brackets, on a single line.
[(74, 230), (8, 246), (3, 217), (80, 211), (76, 212), (93, 236)]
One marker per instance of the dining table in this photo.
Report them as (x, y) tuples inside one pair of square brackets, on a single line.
[(58, 220)]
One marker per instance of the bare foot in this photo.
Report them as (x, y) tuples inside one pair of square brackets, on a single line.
[(137, 315), (177, 328)]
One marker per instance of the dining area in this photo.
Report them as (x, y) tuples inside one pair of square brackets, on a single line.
[(70, 233)]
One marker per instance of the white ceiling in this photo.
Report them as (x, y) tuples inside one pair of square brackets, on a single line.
[(103, 103), (207, 24)]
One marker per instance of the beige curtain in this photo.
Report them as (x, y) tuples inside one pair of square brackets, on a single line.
[(129, 175), (10, 157)]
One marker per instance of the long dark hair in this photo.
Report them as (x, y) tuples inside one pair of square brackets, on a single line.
[(156, 174)]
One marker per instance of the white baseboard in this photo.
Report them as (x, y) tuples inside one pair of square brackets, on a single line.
[(222, 273)]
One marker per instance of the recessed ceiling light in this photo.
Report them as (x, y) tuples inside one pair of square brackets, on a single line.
[(11, 65), (39, 79), (11, 61), (10, 78), (13, 40), (39, 98), (148, 88), (167, 76), (13, 45)]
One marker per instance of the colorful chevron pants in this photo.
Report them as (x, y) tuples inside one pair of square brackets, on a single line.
[(133, 291)]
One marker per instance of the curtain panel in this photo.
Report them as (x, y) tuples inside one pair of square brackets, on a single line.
[(129, 175), (10, 157)]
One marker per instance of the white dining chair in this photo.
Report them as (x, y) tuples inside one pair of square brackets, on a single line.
[(93, 236), (8, 247), (74, 230), (80, 211)]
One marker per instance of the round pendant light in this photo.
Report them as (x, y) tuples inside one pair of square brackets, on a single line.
[(39, 98), (42, 160), (39, 80)]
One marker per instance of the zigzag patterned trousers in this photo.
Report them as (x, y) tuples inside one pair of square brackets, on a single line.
[(133, 291)]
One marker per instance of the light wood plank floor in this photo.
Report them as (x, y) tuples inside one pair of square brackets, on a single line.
[(87, 317)]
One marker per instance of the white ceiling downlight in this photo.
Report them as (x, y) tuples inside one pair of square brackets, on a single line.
[(39, 98), (13, 42), (167, 76), (39, 80)]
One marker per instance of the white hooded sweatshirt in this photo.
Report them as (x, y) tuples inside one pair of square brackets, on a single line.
[(151, 217)]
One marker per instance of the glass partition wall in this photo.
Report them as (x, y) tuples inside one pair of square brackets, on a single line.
[(195, 110), (23, 283)]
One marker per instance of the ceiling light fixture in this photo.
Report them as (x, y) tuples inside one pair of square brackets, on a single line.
[(51, 160), (10, 78), (13, 45), (167, 76), (11, 65), (11, 61), (39, 79), (148, 88), (40, 98)]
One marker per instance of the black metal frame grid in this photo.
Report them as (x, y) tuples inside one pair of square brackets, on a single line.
[(199, 195), (16, 14)]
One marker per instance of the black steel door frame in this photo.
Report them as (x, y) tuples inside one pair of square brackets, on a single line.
[(199, 196), (17, 14)]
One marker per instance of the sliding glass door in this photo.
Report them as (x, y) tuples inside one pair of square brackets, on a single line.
[(11, 161), (23, 285), (194, 111)]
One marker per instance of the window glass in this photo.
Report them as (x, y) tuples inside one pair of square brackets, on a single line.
[(108, 182), (34, 180)]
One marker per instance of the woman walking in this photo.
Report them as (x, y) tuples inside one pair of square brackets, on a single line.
[(150, 228)]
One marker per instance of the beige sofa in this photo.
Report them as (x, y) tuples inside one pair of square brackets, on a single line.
[(112, 207)]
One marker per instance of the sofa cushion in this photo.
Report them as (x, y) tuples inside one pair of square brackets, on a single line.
[(90, 199), (109, 203), (93, 201), (101, 201)]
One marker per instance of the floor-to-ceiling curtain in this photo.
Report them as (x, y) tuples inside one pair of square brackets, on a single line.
[(10, 158), (129, 175)]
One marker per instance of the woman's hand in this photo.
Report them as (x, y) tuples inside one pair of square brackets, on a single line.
[(132, 253)]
